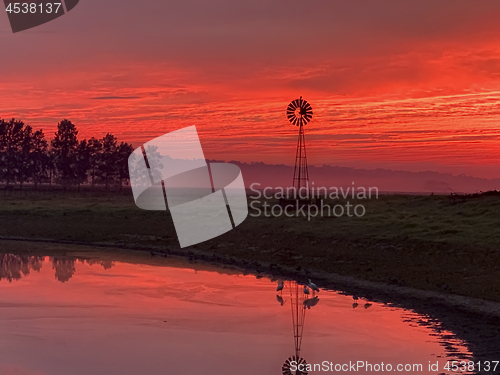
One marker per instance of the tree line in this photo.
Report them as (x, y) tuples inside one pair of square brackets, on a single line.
[(26, 156), (14, 267)]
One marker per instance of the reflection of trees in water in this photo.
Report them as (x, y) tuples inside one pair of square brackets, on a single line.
[(13, 267), (65, 267), (106, 264)]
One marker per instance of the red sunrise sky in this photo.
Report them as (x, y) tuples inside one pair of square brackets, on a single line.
[(412, 85)]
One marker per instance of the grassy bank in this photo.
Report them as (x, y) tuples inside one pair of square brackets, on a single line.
[(426, 242)]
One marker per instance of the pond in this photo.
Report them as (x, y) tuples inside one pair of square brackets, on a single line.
[(78, 315)]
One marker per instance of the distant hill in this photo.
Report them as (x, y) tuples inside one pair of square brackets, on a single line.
[(386, 180)]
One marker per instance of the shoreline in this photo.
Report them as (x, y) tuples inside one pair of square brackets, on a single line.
[(326, 280)]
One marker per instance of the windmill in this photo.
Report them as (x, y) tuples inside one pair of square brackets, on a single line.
[(299, 113), (299, 302)]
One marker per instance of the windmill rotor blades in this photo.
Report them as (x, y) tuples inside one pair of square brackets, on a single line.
[(301, 116)]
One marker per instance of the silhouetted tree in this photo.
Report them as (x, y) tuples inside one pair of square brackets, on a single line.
[(11, 138), (40, 159), (146, 176), (82, 162), (123, 152), (107, 169), (154, 161), (25, 156), (64, 149), (32, 158), (95, 150)]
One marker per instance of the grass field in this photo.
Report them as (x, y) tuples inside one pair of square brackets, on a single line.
[(426, 242)]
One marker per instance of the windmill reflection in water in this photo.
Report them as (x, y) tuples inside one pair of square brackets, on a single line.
[(301, 300)]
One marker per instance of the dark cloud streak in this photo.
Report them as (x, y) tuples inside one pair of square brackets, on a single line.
[(115, 97)]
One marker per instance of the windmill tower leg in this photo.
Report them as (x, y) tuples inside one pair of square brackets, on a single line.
[(301, 172)]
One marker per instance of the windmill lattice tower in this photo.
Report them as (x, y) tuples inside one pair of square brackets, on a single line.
[(299, 113), (298, 303)]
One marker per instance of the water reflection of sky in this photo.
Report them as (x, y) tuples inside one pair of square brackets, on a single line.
[(121, 318)]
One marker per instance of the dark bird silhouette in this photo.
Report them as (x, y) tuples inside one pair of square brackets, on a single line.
[(306, 290), (312, 286), (280, 299), (311, 302), (280, 286), (354, 305), (367, 305)]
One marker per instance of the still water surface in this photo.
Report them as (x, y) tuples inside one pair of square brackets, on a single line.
[(68, 316)]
